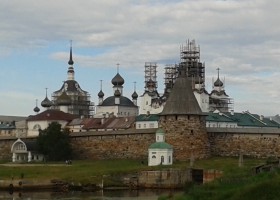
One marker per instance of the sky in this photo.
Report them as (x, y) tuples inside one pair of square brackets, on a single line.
[(242, 38)]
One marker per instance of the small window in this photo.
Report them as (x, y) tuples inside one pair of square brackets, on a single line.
[(154, 156)]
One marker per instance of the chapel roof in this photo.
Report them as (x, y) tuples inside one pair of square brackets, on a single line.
[(51, 114)]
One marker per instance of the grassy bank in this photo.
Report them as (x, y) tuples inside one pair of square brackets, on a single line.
[(237, 183)]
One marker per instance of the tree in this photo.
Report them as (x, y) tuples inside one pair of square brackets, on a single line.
[(54, 143)]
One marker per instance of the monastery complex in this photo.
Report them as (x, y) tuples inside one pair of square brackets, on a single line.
[(185, 122)]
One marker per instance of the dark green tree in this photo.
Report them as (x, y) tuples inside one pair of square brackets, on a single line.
[(54, 143)]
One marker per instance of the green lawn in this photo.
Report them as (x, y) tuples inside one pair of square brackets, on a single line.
[(236, 182)]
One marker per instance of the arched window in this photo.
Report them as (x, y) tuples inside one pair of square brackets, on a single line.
[(154, 156), (36, 127)]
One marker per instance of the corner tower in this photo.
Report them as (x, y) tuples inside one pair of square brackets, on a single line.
[(183, 121)]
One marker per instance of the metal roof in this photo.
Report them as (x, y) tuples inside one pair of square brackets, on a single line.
[(181, 100)]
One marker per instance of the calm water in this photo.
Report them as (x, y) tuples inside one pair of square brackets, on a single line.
[(100, 195)]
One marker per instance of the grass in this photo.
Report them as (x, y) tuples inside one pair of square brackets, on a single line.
[(236, 183)]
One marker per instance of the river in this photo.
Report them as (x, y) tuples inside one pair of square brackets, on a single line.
[(99, 195)]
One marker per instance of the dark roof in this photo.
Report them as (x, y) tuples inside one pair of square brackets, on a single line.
[(218, 83), (134, 95), (181, 100), (46, 103), (124, 101), (110, 123), (51, 115), (219, 93), (101, 94), (118, 80), (72, 86), (36, 109)]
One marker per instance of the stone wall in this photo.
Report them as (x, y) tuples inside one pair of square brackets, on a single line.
[(5, 148), (259, 143), (113, 144), (187, 134), (186, 140)]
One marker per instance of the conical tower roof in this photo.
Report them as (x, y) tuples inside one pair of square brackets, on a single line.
[(181, 100)]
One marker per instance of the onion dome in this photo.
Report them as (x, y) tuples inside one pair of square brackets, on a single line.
[(218, 83), (36, 109), (117, 93), (46, 103), (134, 95), (118, 80), (100, 94), (63, 99)]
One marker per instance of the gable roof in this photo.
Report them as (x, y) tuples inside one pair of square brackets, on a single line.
[(51, 114), (181, 100), (147, 117), (244, 119), (110, 123)]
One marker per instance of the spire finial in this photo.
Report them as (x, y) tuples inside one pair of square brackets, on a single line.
[(118, 66), (134, 85), (218, 69), (46, 92), (70, 62), (101, 85)]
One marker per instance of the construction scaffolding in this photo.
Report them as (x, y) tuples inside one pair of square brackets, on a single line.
[(190, 62), (170, 75), (151, 76)]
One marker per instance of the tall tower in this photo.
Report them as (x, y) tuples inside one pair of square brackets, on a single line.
[(183, 121), (190, 59), (70, 97)]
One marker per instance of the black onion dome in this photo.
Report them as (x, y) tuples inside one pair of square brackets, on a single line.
[(100, 94), (124, 101), (118, 80), (117, 93), (36, 109), (134, 95), (63, 100), (46, 103), (218, 83)]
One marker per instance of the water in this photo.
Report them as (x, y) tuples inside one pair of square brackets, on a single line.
[(99, 195)]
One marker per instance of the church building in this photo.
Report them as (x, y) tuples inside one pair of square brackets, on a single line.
[(71, 98), (117, 104)]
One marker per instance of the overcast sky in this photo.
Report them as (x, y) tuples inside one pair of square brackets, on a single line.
[(242, 38)]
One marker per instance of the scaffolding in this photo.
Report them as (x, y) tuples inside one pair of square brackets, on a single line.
[(151, 76), (170, 75), (80, 103), (190, 62)]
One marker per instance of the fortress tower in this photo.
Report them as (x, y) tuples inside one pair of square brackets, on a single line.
[(183, 121)]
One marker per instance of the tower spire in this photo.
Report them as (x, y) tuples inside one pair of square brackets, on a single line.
[(70, 62)]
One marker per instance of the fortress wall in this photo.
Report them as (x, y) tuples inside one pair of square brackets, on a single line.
[(251, 142), (112, 146), (134, 143), (5, 148), (187, 135)]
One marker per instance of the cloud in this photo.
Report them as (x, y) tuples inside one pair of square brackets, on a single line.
[(240, 37)]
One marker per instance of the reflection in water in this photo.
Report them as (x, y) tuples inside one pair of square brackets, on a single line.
[(98, 195)]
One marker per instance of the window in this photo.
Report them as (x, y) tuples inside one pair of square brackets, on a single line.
[(144, 125), (162, 159), (169, 159), (36, 127), (139, 125), (154, 156), (151, 125)]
